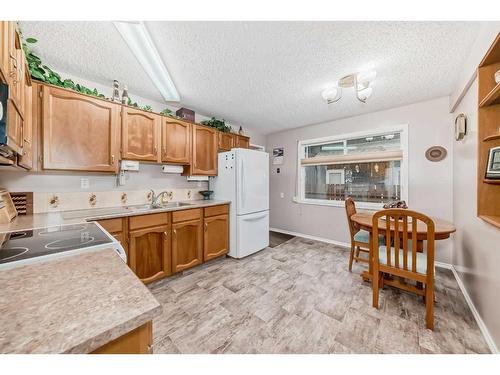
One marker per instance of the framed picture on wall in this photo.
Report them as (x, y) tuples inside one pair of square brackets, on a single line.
[(493, 167)]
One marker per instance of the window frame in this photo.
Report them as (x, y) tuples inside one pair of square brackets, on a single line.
[(301, 147)]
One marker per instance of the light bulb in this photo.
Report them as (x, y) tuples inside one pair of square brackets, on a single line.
[(364, 94), (331, 94), (365, 77)]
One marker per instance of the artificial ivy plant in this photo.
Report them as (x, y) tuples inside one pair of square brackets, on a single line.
[(220, 125)]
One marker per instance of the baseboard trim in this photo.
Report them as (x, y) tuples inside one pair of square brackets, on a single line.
[(484, 330), (482, 326), (309, 237)]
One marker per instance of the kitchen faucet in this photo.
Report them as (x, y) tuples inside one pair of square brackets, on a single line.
[(155, 198)]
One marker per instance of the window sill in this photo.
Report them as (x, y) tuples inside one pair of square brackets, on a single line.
[(359, 205)]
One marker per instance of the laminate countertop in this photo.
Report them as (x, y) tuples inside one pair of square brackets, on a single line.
[(74, 304), (41, 220)]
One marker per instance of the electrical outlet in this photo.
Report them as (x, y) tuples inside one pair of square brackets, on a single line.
[(84, 183), (282, 195)]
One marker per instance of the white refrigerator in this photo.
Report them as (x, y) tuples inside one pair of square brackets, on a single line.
[(243, 179)]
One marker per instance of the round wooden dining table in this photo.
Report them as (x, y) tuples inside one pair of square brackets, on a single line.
[(442, 230)]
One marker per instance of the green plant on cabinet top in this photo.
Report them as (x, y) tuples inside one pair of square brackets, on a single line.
[(220, 125)]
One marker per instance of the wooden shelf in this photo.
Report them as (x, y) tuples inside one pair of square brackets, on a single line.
[(491, 137), (492, 98), (493, 220), (491, 181)]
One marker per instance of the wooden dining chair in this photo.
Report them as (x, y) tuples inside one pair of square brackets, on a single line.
[(360, 239), (404, 258)]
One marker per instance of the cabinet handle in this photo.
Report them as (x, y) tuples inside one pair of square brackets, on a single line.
[(206, 226), (175, 232), (165, 234), (112, 159), (156, 150)]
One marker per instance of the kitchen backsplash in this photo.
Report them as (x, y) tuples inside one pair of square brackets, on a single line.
[(67, 201)]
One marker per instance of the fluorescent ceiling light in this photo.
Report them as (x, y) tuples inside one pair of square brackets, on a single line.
[(139, 41)]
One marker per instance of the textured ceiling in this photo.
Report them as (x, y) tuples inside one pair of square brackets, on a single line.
[(269, 75)]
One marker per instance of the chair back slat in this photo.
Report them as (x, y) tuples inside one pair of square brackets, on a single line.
[(387, 241), (414, 246), (396, 241), (405, 243)]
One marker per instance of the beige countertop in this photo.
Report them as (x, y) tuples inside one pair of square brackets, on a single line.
[(74, 304), (73, 217)]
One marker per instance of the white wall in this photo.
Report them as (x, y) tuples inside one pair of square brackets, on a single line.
[(430, 184), (476, 254)]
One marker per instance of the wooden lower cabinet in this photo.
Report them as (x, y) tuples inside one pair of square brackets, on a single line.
[(150, 253), (137, 341), (215, 237), (187, 244)]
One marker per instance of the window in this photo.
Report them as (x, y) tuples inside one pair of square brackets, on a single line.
[(370, 167)]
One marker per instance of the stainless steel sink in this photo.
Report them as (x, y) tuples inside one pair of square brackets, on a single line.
[(144, 207), (99, 212)]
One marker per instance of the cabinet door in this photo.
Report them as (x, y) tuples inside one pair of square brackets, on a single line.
[(242, 142), (204, 155), (15, 124), (226, 141), (216, 237), (140, 135), (150, 253), (4, 51), (26, 158), (14, 65), (187, 245), (79, 132), (176, 141)]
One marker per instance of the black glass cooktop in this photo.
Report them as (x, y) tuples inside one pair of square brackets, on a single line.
[(20, 245)]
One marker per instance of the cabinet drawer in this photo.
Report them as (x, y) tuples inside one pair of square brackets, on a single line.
[(112, 225), (144, 221), (217, 210), (185, 215)]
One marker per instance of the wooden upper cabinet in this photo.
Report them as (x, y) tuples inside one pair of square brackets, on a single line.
[(15, 125), (140, 135), (215, 237), (187, 244), (204, 151), (242, 141), (226, 141), (26, 158), (79, 132), (4, 51), (175, 141)]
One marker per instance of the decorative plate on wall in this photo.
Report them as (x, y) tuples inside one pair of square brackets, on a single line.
[(435, 153)]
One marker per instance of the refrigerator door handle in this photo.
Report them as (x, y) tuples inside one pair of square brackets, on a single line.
[(242, 185), (252, 218)]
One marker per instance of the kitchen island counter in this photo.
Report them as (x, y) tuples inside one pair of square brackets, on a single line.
[(75, 304)]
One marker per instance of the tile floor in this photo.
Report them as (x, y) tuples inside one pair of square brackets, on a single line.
[(300, 298)]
